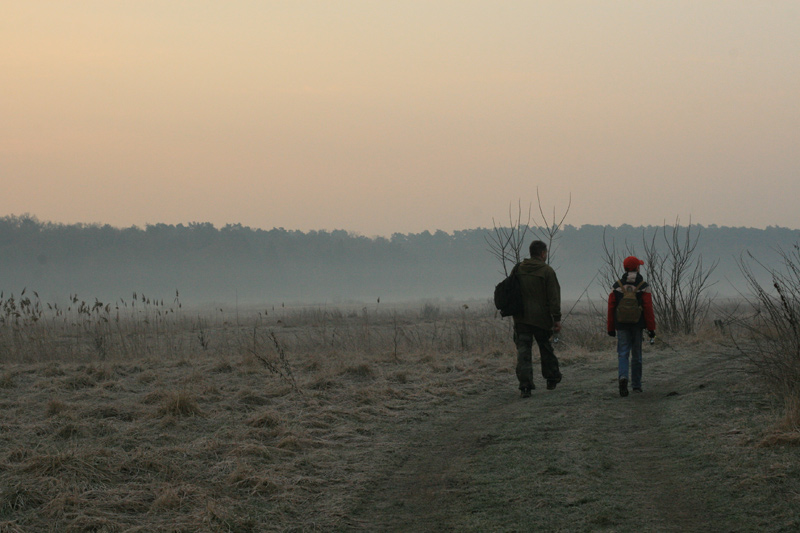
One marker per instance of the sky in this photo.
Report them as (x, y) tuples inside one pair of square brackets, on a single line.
[(382, 117)]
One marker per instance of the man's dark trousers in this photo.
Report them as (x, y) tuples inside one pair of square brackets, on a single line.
[(524, 335)]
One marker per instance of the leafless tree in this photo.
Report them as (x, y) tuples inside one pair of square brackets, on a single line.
[(612, 259), (679, 280), (548, 230), (506, 243)]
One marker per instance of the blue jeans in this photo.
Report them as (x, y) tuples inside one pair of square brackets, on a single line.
[(629, 344)]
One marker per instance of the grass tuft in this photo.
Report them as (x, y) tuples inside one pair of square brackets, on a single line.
[(265, 419), (290, 443), (55, 407), (167, 498), (7, 380), (223, 367), (179, 404), (780, 439), (11, 527), (20, 497), (79, 381), (363, 371)]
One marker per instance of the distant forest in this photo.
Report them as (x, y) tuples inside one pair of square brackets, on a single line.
[(260, 267)]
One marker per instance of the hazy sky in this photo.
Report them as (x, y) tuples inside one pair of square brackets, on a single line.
[(400, 116)]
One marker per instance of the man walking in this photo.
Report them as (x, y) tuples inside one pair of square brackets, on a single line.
[(541, 317), (630, 310)]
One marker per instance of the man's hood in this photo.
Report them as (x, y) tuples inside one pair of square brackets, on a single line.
[(532, 266)]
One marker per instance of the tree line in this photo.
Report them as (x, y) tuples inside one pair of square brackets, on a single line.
[(251, 265)]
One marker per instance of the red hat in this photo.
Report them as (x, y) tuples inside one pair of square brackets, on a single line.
[(631, 263)]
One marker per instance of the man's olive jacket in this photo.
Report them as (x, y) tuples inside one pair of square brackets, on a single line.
[(540, 292)]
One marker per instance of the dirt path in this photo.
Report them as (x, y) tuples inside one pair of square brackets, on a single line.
[(579, 458)]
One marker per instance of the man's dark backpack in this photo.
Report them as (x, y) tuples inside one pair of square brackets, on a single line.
[(508, 295)]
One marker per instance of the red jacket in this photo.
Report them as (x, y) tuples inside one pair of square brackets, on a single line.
[(648, 320)]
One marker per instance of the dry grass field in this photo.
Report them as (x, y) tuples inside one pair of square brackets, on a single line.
[(152, 418)]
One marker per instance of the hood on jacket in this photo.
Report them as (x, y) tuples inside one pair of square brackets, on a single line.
[(532, 266)]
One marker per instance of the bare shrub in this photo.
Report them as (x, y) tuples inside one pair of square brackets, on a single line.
[(771, 338), (276, 362)]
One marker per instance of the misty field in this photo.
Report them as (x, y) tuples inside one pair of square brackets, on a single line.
[(144, 416)]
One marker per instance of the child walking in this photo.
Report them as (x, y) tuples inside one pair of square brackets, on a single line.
[(630, 310)]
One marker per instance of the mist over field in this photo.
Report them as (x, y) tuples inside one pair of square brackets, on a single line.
[(235, 264)]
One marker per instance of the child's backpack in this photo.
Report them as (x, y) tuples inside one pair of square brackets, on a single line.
[(628, 309), (508, 295)]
